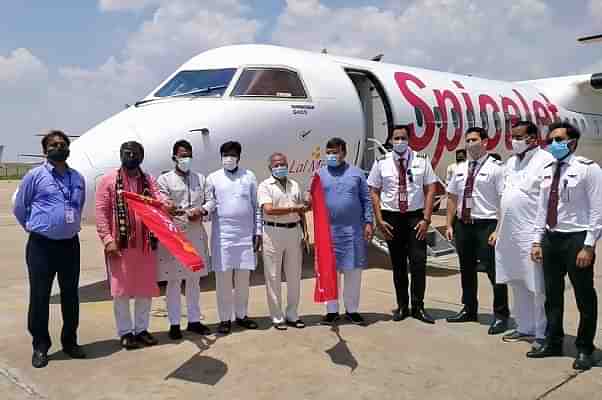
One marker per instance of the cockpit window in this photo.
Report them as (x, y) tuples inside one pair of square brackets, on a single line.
[(270, 82), (210, 82)]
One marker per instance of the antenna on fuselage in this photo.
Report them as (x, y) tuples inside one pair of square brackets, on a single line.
[(378, 57), (590, 39), (324, 51)]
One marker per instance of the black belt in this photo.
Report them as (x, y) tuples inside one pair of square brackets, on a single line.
[(279, 225), (476, 221), (555, 234)]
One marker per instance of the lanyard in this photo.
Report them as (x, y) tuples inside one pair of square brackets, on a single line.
[(66, 196)]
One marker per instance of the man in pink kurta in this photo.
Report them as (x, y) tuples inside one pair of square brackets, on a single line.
[(131, 260)]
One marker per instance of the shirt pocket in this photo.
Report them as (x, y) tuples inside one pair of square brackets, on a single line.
[(243, 189), (569, 187), (78, 194), (416, 177)]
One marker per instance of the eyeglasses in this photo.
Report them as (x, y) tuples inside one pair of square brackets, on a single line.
[(556, 139)]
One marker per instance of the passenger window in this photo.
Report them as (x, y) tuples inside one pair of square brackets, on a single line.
[(270, 82), (575, 123), (455, 117), (485, 120), (583, 127), (470, 118), (437, 113), (419, 117)]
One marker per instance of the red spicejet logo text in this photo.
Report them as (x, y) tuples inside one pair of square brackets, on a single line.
[(447, 99)]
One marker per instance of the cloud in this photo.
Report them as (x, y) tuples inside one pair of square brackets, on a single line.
[(505, 40), (120, 5), (20, 68)]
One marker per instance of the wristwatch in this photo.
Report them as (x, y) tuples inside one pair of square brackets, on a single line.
[(428, 221), (588, 247)]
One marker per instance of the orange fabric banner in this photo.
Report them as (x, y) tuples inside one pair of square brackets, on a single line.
[(152, 214), (324, 257)]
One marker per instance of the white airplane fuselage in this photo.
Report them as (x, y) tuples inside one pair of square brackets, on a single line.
[(354, 99)]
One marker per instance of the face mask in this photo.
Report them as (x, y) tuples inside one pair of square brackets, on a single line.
[(519, 146), (332, 160), (474, 150), (58, 155), (400, 147), (184, 164), (229, 163), (559, 149), (280, 172), (131, 163)]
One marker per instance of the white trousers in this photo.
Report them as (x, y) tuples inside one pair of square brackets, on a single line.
[(232, 302), (352, 279), (528, 310), (123, 316), (282, 250), (174, 301)]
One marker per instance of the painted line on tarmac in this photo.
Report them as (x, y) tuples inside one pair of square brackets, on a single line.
[(15, 380)]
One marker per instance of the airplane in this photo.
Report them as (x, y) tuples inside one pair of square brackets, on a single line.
[(273, 98)]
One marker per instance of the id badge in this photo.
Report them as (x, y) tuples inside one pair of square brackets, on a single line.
[(69, 215), (469, 202)]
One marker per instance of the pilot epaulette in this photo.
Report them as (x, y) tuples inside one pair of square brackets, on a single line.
[(584, 160)]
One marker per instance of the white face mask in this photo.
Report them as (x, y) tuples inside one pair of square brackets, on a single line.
[(474, 150), (230, 163), (519, 146), (400, 146), (184, 164)]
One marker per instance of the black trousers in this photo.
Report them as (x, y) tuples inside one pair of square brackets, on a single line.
[(402, 247), (472, 245), (559, 258), (45, 259)]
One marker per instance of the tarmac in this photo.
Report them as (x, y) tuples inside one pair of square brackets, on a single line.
[(383, 360)]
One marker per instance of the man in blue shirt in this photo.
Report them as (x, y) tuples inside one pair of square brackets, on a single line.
[(350, 211), (48, 206)]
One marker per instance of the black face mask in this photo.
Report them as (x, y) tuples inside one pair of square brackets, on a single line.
[(59, 155), (131, 163)]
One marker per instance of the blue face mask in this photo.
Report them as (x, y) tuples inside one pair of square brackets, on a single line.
[(559, 149), (332, 160), (280, 172)]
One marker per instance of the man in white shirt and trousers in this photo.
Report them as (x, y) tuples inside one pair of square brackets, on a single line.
[(186, 190), (235, 236), (568, 225), (280, 198), (516, 234)]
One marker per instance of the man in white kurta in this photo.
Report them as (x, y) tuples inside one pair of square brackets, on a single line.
[(516, 233), (186, 190), (235, 236)]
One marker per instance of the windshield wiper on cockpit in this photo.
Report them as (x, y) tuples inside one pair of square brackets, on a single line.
[(191, 93)]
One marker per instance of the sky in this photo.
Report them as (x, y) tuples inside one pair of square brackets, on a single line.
[(69, 64)]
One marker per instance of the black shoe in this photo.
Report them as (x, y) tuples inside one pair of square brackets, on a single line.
[(330, 319), (463, 316), (498, 326), (146, 339), (421, 315), (583, 362), (516, 336), (225, 327), (174, 332), (401, 313), (547, 350), (355, 318), (74, 351), (198, 328), (129, 342), (39, 359), (281, 326), (299, 324), (246, 322)]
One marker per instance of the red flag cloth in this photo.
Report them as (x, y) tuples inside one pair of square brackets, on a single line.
[(151, 212), (324, 258)]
